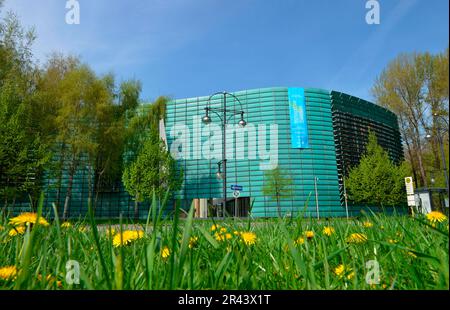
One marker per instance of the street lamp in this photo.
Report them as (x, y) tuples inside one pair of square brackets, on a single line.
[(206, 119), (441, 146)]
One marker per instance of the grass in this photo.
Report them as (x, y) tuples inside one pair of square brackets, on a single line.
[(411, 253)]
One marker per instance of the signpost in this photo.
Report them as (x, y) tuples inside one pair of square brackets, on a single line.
[(410, 193), (236, 187)]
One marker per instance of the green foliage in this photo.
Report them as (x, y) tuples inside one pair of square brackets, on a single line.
[(153, 169), (377, 180), (23, 150), (277, 185), (415, 87), (412, 255)]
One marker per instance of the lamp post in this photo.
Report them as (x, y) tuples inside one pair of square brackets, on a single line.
[(441, 146), (222, 114)]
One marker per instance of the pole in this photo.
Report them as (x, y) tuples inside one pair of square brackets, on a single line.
[(345, 198), (444, 164), (317, 198), (224, 154)]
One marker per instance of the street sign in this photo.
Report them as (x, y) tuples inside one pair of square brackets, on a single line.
[(409, 186), (236, 194), (236, 187)]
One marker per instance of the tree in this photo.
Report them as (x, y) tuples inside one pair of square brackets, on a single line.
[(153, 169), (415, 86), (376, 180), (278, 185), (23, 151)]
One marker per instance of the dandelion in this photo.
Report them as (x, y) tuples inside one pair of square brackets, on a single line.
[(436, 216), (309, 234), (344, 271), (193, 242), (222, 237), (357, 238), (367, 224), (214, 227), (20, 230), (110, 231), (411, 254), (328, 231), (299, 241), (236, 233), (165, 252), (127, 237), (249, 238), (26, 219), (50, 279), (8, 273), (393, 241), (66, 225), (223, 230)]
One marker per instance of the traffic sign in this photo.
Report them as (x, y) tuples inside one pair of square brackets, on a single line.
[(236, 187), (236, 194)]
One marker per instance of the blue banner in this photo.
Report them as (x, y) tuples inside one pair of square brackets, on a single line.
[(297, 112)]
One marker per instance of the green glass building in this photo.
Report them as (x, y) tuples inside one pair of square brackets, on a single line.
[(313, 135), (315, 156)]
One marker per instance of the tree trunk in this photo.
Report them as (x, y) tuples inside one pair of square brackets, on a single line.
[(60, 173), (69, 190), (136, 208), (421, 166), (278, 206)]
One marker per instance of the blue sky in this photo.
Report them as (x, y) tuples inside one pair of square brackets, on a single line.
[(187, 48)]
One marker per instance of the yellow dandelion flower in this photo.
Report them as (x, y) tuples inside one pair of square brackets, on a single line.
[(127, 237), (328, 231), (309, 234), (411, 254), (236, 233), (8, 273), (110, 231), (393, 241), (193, 242), (223, 230), (49, 278), (299, 241), (19, 230), (214, 227), (66, 225), (165, 252), (27, 218), (357, 238), (344, 271), (367, 224), (436, 216), (248, 237)]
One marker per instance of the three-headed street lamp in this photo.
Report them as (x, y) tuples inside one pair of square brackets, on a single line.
[(222, 114)]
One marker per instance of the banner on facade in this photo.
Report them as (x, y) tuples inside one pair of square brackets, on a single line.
[(297, 113)]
